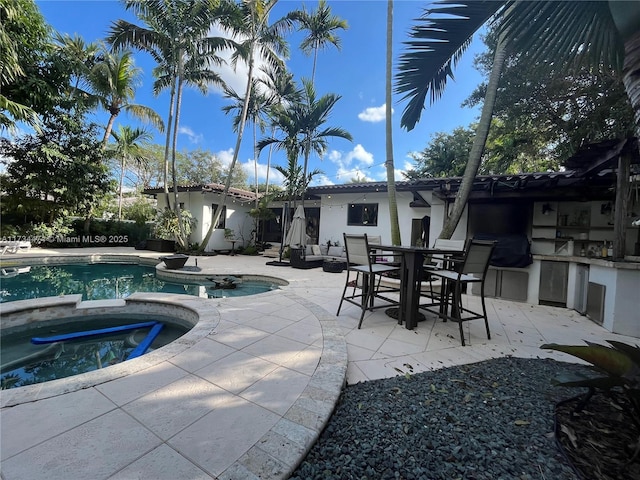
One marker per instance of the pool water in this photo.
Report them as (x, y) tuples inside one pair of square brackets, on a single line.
[(24, 363), (107, 281)]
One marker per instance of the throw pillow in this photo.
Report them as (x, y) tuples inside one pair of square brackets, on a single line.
[(316, 249)]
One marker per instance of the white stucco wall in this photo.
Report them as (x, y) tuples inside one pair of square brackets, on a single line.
[(334, 208), (199, 204)]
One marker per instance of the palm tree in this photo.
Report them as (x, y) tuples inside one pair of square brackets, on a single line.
[(129, 147), (391, 179), (294, 183), (256, 113), (281, 90), (82, 58), (176, 37), (321, 25), (302, 125), (554, 35), (112, 82), (259, 38)]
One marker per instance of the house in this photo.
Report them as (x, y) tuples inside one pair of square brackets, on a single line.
[(202, 200), (566, 219)]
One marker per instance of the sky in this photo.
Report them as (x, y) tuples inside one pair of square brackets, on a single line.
[(356, 72)]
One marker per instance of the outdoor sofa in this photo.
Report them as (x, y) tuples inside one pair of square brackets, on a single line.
[(313, 256)]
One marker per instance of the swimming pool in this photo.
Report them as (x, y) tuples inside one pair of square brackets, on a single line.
[(101, 281)]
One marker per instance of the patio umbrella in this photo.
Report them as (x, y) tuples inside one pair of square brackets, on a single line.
[(297, 234)]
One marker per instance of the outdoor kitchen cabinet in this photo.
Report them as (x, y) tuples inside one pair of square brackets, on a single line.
[(510, 284), (554, 277)]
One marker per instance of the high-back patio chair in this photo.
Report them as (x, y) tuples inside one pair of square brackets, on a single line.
[(365, 287), (471, 269)]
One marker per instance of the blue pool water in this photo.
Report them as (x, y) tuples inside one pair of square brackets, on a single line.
[(107, 280)]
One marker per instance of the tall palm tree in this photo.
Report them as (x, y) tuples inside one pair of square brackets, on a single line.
[(112, 82), (281, 90), (302, 124), (82, 58), (176, 36), (129, 147), (259, 39), (256, 114), (555, 35), (389, 163), (321, 26)]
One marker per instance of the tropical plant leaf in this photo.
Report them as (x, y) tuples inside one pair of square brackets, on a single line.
[(604, 358), (577, 380), (556, 35), (436, 44)]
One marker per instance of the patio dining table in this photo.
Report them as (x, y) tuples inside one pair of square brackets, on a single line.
[(411, 278)]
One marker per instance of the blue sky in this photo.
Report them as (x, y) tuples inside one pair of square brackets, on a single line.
[(356, 72)]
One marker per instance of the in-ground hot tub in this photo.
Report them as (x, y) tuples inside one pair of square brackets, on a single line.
[(193, 315)]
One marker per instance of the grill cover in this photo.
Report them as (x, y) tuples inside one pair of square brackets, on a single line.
[(510, 251)]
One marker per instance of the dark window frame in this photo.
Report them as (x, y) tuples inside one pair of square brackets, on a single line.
[(362, 215), (223, 217)]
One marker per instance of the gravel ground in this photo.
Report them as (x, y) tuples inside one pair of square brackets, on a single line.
[(488, 420)]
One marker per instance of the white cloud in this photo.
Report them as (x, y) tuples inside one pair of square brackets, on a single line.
[(355, 163), (374, 114), (225, 157), (321, 180), (235, 78), (193, 136)]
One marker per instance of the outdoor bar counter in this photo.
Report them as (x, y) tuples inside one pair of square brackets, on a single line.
[(608, 292)]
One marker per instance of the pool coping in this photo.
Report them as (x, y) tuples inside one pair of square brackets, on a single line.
[(298, 428)]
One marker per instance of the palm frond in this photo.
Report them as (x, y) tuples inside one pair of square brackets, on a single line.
[(561, 35), (437, 42)]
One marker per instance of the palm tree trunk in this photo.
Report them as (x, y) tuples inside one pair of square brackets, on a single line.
[(475, 156), (236, 152), (182, 237), (315, 60), (307, 154), (391, 181), (120, 188), (167, 143), (107, 131), (266, 190)]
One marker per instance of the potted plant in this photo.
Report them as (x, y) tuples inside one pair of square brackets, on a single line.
[(166, 230)]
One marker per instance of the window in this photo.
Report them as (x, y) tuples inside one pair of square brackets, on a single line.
[(223, 218), (363, 214)]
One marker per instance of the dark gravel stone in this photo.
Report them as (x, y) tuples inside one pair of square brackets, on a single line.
[(489, 420)]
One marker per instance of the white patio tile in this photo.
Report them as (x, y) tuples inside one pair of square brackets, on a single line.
[(237, 371), (170, 409), (162, 463), (217, 440), (26, 425), (125, 389), (356, 353), (278, 390), (276, 349), (95, 449), (307, 333), (203, 353), (306, 361), (270, 323), (240, 336), (354, 374)]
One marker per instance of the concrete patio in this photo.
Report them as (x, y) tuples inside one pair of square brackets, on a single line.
[(249, 399)]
